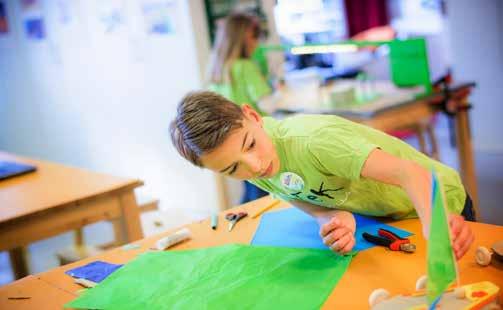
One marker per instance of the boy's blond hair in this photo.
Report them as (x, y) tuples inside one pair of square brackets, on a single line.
[(204, 120)]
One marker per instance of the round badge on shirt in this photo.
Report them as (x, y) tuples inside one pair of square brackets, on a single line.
[(292, 181)]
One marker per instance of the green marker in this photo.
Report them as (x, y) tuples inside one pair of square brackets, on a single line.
[(214, 221)]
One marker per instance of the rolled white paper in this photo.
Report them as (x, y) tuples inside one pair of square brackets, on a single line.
[(177, 237)]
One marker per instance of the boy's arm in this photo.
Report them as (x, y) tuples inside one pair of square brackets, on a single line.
[(337, 227), (416, 181), (411, 177)]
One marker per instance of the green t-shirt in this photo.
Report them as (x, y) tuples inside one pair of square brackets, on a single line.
[(247, 85), (327, 154)]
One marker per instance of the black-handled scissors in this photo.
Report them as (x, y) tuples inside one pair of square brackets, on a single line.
[(233, 218)]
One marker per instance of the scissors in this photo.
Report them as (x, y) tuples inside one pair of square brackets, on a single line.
[(392, 241), (233, 218)]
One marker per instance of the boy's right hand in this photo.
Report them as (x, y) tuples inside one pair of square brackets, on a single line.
[(339, 237)]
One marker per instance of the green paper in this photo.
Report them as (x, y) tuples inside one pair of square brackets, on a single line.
[(409, 63), (225, 277), (441, 262)]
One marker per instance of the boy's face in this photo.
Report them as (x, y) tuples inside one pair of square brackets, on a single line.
[(247, 153)]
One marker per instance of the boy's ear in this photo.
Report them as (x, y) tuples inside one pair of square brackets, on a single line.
[(251, 114)]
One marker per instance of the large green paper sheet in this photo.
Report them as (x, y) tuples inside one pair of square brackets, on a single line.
[(441, 263), (225, 277)]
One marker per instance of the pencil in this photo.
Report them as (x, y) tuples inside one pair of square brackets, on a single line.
[(271, 205)]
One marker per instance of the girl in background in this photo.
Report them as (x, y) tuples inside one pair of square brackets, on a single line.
[(233, 74)]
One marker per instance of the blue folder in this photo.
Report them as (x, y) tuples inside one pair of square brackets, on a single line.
[(10, 169), (95, 271), (294, 228)]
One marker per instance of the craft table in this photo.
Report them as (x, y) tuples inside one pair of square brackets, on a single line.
[(370, 269), (32, 293)]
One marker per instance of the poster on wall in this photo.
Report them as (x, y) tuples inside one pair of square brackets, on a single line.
[(64, 28), (153, 22), (159, 16), (65, 12), (111, 16), (7, 30), (64, 21), (33, 19), (4, 26)]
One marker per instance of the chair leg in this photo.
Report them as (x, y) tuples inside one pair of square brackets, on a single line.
[(419, 130), (78, 237), (433, 141), (18, 262), (78, 251)]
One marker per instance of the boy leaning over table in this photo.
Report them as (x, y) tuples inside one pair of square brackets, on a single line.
[(325, 165)]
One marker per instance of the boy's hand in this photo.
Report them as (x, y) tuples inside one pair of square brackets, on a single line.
[(462, 236), (339, 237)]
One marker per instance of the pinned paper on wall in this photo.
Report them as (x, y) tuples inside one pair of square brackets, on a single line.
[(66, 19), (108, 28), (65, 11), (33, 19), (7, 31), (111, 16), (4, 25), (156, 20), (64, 27), (225, 277), (159, 16)]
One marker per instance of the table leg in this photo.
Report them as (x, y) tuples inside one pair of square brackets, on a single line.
[(18, 262), (465, 154), (130, 218), (78, 236), (433, 141), (419, 130), (222, 192)]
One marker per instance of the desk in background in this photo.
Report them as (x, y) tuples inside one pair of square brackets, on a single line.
[(56, 199), (370, 269)]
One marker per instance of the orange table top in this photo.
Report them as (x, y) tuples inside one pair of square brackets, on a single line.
[(397, 272), (51, 186), (32, 293)]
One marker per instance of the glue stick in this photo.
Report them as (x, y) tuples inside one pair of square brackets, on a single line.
[(177, 237)]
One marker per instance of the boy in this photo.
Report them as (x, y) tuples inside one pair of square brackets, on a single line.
[(323, 164)]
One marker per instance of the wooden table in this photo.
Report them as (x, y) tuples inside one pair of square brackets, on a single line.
[(370, 269), (58, 198), (32, 293)]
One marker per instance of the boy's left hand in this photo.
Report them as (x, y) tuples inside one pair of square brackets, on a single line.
[(462, 236), (338, 236)]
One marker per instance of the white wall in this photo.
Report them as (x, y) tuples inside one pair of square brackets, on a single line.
[(476, 35), (201, 35), (104, 102)]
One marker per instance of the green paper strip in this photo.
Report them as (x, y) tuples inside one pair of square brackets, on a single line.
[(441, 262)]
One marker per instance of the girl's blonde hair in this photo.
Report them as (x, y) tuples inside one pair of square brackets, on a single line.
[(230, 45)]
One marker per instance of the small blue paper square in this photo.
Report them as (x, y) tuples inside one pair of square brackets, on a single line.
[(96, 271)]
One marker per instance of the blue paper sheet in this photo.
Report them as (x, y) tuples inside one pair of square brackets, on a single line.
[(96, 271), (296, 229)]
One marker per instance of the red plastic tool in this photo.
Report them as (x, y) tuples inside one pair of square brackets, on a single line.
[(391, 240)]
